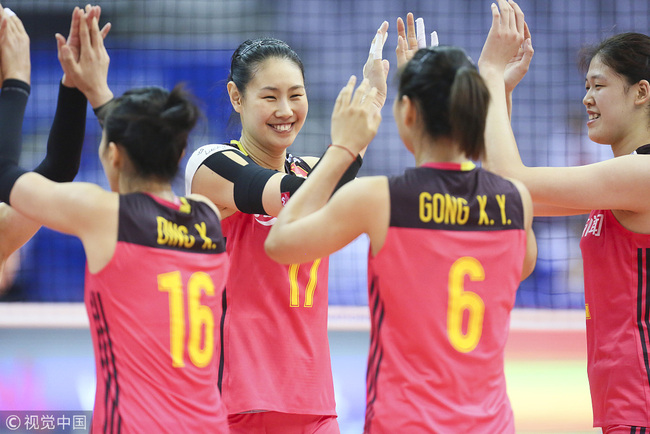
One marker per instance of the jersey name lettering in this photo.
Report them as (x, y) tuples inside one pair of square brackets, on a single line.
[(452, 210)]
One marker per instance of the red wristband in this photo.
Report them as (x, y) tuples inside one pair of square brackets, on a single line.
[(354, 157)]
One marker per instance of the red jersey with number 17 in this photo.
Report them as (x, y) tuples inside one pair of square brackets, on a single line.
[(440, 292), (274, 326), (154, 312)]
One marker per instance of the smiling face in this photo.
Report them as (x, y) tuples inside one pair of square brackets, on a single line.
[(610, 104), (274, 105)]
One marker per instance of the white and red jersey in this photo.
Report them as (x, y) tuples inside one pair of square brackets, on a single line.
[(440, 292), (616, 263), (154, 313)]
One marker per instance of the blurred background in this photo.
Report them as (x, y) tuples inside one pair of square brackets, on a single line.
[(162, 42)]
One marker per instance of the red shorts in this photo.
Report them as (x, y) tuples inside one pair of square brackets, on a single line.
[(272, 422), (625, 429)]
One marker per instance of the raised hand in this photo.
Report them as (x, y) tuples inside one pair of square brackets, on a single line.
[(14, 48), (505, 37), (376, 68), (355, 120), (411, 38), (73, 42), (86, 65), (518, 65)]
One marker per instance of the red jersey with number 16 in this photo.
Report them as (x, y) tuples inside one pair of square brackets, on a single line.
[(154, 313), (440, 291)]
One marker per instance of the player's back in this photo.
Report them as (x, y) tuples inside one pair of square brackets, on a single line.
[(154, 311), (441, 290)]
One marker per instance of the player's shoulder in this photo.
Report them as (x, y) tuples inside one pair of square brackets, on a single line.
[(204, 200), (205, 151)]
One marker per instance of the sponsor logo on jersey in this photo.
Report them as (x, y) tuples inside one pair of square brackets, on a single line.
[(594, 225)]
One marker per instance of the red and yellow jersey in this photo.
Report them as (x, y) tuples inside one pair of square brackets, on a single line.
[(154, 313), (440, 292), (274, 326), (274, 329), (616, 263)]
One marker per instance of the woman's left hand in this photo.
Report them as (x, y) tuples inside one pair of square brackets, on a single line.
[(355, 119)]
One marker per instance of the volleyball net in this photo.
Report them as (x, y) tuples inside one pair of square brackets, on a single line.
[(170, 41)]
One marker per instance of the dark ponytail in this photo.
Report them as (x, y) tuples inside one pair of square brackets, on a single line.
[(153, 125), (451, 96)]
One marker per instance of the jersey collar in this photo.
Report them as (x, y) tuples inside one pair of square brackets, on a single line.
[(464, 167)]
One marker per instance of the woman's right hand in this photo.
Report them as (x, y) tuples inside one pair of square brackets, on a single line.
[(505, 37), (355, 119), (15, 60), (84, 58)]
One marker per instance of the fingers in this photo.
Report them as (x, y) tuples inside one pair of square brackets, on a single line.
[(360, 94), (84, 33), (377, 46), (95, 33), (400, 51), (527, 32), (105, 30), (411, 38), (343, 99), (401, 30), (434, 39), (419, 32), (519, 18)]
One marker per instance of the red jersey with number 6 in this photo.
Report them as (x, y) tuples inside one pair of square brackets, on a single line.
[(440, 291), (154, 313)]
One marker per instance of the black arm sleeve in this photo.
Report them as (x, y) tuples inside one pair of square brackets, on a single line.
[(13, 101), (102, 111), (61, 162), (248, 180)]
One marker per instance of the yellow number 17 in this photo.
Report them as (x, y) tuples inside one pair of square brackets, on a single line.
[(294, 294)]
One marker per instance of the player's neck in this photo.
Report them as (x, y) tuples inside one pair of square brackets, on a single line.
[(439, 151), (161, 189), (270, 158)]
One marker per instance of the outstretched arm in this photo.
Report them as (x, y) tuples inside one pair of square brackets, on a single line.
[(65, 141), (328, 224), (617, 183), (15, 70)]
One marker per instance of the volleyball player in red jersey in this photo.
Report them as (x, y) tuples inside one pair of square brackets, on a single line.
[(61, 162), (616, 238), (449, 244), (275, 375), (156, 263)]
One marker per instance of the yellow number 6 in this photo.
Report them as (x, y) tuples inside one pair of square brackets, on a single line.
[(461, 301)]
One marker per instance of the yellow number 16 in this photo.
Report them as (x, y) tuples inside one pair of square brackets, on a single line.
[(461, 301), (200, 317)]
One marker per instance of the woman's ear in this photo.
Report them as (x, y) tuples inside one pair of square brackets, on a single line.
[(409, 111), (115, 156), (235, 96), (643, 93)]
